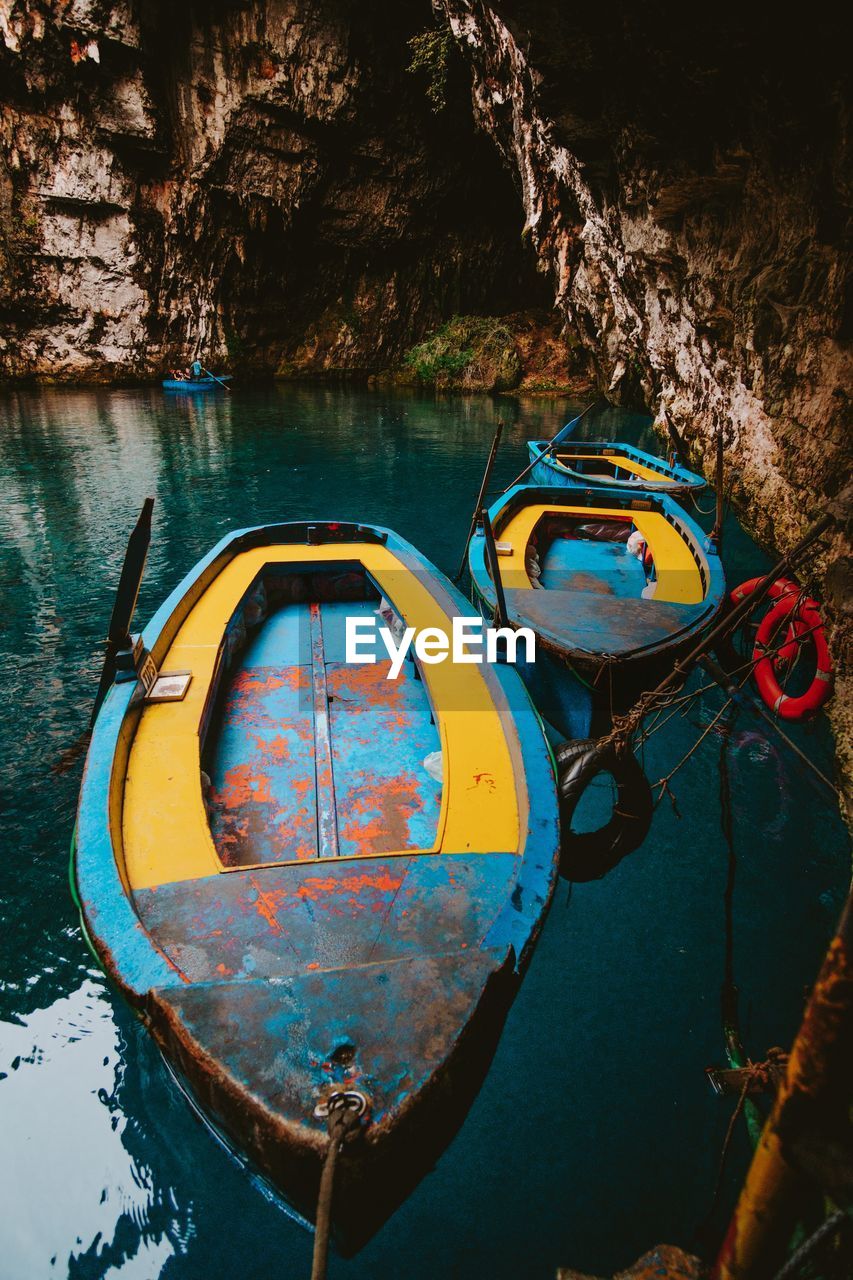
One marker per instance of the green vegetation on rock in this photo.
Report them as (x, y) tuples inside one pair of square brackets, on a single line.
[(469, 353), (430, 54)]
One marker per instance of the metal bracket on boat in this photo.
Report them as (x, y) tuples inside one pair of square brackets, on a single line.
[(135, 663), (757, 1078), (341, 1100), (129, 659)]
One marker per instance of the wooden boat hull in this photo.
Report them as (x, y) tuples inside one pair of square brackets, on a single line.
[(611, 465), (600, 644), (196, 384), (269, 970)]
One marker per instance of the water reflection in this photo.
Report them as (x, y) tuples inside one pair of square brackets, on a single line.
[(75, 1201)]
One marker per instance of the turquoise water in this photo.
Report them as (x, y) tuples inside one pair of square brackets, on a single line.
[(596, 1134)]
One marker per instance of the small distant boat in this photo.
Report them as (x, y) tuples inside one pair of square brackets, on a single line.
[(208, 383), (614, 583), (310, 878), (614, 465)]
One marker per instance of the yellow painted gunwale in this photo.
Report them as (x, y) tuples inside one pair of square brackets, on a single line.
[(678, 576), (165, 833), (616, 459)]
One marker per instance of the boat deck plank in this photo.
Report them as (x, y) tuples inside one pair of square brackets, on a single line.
[(263, 797), (321, 758)]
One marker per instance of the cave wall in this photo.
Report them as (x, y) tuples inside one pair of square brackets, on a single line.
[(261, 182)]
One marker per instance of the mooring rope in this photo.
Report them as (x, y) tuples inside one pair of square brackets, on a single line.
[(755, 1073), (343, 1111), (837, 1223), (657, 703), (729, 1001), (701, 510), (664, 782)]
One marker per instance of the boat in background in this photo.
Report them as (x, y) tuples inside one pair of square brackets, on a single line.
[(613, 465), (310, 880), (207, 383), (615, 584)]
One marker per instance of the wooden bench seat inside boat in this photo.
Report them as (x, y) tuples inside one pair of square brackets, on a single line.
[(587, 463)]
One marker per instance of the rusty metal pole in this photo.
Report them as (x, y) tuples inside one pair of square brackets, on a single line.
[(809, 1127)]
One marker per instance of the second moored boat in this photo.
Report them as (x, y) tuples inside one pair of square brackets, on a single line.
[(614, 583), (612, 465)]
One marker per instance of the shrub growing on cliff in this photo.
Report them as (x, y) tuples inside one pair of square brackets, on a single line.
[(469, 353), (431, 54)]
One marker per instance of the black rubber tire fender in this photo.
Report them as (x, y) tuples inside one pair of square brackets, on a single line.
[(589, 855)]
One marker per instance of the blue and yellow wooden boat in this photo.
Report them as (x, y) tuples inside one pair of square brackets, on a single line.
[(614, 583), (613, 465), (293, 903)]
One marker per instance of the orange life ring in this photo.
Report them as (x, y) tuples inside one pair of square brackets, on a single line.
[(787, 652), (792, 708), (780, 587)]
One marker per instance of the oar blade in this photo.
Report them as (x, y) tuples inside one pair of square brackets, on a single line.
[(215, 379)]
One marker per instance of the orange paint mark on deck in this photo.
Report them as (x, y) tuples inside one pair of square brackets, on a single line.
[(278, 748), (376, 815), (242, 785), (268, 903), (318, 887), (366, 689)]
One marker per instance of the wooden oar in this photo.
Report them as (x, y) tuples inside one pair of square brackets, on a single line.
[(215, 379), (501, 616), (119, 630), (487, 474), (716, 534), (118, 635), (561, 435)]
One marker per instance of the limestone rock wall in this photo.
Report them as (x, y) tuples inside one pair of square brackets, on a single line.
[(261, 182)]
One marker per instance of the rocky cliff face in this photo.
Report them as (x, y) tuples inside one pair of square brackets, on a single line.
[(256, 180)]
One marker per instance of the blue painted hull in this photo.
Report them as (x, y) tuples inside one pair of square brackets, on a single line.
[(265, 986), (195, 384), (598, 455)]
